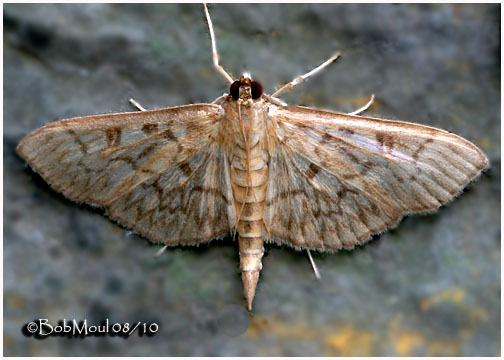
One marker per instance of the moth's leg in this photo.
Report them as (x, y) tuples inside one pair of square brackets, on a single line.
[(315, 270), (275, 100), (364, 108), (215, 54), (137, 105), (301, 78), (220, 98), (162, 250)]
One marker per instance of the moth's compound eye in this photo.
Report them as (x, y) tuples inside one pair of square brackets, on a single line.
[(256, 90), (234, 90)]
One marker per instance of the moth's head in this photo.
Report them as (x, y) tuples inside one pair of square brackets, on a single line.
[(245, 89)]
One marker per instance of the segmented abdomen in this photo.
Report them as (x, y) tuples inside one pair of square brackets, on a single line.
[(249, 178)]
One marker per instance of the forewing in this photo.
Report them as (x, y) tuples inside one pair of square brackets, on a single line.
[(139, 159), (188, 203), (336, 179)]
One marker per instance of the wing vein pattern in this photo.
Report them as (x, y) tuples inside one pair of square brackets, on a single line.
[(337, 179), (159, 172)]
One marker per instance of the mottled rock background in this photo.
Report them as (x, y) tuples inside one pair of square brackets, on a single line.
[(429, 287)]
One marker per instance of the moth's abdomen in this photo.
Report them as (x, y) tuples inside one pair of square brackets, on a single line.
[(249, 178)]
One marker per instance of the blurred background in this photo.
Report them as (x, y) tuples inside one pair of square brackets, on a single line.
[(429, 287)]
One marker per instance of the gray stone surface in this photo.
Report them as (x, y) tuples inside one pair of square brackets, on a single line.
[(429, 287)]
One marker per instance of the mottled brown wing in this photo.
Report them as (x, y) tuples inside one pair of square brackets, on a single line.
[(186, 204), (337, 179), (158, 172)]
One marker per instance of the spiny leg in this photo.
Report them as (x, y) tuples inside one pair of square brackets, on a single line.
[(315, 270), (364, 108), (275, 100), (215, 54), (137, 105), (220, 98), (162, 250), (301, 78)]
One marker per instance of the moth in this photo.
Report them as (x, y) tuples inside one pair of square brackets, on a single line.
[(251, 165)]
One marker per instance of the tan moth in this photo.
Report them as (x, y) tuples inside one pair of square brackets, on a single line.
[(251, 165)]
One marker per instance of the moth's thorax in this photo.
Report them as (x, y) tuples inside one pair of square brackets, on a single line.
[(244, 125)]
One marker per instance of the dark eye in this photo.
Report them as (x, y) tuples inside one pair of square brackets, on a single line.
[(234, 90), (256, 90)]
